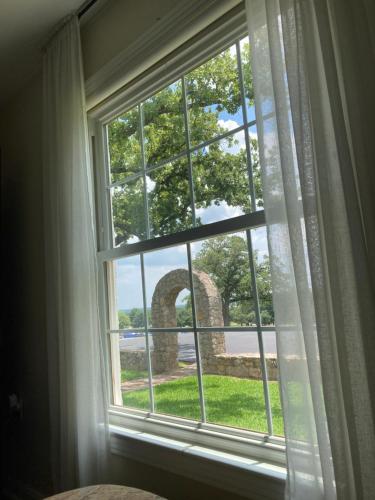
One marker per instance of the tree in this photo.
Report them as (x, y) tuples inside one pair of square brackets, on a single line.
[(123, 320), (183, 315), (226, 260), (137, 318), (219, 171)]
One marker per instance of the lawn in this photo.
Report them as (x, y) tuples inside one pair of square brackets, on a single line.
[(127, 375), (229, 401)]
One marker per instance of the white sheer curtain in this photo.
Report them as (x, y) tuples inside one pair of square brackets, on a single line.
[(323, 301), (76, 374)]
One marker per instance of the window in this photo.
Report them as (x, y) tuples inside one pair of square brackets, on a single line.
[(188, 296)]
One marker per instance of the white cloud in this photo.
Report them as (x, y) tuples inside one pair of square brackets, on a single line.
[(233, 51), (215, 213), (150, 184), (228, 124), (239, 137)]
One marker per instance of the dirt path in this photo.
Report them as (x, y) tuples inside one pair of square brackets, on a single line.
[(142, 383)]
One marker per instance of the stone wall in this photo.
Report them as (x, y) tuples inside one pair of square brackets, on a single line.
[(241, 365), (133, 360), (233, 365)]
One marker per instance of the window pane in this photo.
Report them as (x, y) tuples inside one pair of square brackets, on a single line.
[(168, 287), (128, 212), (129, 296), (163, 123), (175, 389), (232, 381), (134, 374), (169, 200), (124, 145), (214, 99), (257, 179), (263, 275), (221, 183), (222, 281), (247, 78)]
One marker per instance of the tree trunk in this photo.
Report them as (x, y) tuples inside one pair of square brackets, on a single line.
[(225, 309)]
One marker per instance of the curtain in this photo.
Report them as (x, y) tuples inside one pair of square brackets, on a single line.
[(323, 296), (76, 375)]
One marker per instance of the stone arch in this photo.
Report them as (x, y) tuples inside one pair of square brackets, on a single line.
[(163, 313)]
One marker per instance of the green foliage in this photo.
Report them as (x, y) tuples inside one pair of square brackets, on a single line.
[(229, 401), (137, 318), (184, 316), (226, 260), (123, 320), (128, 375), (219, 172)]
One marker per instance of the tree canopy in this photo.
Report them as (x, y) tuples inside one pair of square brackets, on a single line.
[(226, 260), (219, 170)]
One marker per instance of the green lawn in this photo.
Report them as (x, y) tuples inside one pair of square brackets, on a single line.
[(229, 401), (127, 375)]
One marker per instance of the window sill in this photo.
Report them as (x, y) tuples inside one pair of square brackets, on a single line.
[(249, 477)]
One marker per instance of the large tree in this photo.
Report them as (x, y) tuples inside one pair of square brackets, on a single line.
[(219, 171), (226, 260)]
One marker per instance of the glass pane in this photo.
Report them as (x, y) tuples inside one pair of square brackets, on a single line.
[(163, 123), (257, 179), (124, 145), (222, 281), (129, 298), (214, 98), (128, 212), (263, 275), (167, 287), (232, 380), (247, 78), (176, 387), (221, 183), (134, 374), (169, 199)]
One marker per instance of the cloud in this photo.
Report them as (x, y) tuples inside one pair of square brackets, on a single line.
[(215, 213), (228, 124), (259, 241)]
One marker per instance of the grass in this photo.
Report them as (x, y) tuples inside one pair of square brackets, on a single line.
[(231, 401), (127, 375)]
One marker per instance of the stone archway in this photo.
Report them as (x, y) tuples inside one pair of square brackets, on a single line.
[(163, 311)]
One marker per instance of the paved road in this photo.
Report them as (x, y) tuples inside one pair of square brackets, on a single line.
[(236, 343)]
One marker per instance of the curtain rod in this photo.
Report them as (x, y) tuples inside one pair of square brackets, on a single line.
[(85, 8)]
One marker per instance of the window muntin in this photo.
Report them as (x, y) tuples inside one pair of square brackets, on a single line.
[(190, 149), (188, 204)]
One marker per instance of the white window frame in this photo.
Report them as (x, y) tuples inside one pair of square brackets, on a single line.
[(236, 442)]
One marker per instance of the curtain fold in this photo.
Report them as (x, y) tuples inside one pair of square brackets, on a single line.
[(76, 372), (324, 303)]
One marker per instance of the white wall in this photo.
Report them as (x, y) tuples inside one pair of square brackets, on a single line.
[(116, 26)]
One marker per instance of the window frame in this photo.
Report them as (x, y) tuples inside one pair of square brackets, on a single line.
[(206, 44)]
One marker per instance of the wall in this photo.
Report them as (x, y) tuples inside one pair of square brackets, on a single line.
[(25, 334), (116, 26), (27, 453)]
